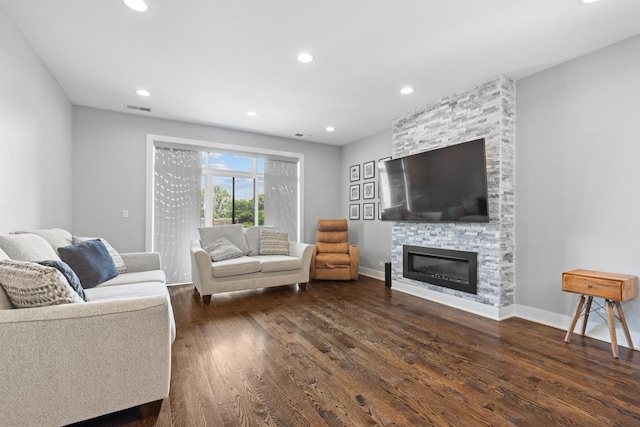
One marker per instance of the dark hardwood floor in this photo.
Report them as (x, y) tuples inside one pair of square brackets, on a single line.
[(359, 354)]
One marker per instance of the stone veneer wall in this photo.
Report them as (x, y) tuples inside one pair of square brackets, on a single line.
[(485, 111)]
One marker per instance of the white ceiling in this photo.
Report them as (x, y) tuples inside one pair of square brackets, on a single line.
[(211, 62)]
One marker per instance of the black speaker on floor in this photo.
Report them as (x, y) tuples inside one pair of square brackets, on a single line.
[(387, 274)]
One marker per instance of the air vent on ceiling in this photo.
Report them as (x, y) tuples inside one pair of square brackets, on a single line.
[(135, 107), (303, 135)]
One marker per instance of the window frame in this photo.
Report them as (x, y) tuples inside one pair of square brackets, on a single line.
[(153, 140)]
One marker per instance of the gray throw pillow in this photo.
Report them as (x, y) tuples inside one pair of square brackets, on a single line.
[(274, 242), (223, 249), (28, 284)]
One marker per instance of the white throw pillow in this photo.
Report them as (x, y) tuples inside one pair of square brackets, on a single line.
[(29, 284), (274, 242)]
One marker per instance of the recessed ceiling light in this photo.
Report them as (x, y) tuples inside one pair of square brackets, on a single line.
[(252, 113), (305, 57), (137, 5), (587, 1), (330, 129), (406, 90), (143, 92)]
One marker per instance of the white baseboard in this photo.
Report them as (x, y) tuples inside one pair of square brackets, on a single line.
[(597, 331), (370, 272)]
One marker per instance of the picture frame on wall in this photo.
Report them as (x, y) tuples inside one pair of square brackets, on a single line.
[(369, 169), (369, 190), (354, 211), (369, 211), (354, 173), (354, 192)]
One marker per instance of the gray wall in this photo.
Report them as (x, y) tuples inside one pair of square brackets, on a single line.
[(35, 138), (109, 172), (373, 237), (578, 171)]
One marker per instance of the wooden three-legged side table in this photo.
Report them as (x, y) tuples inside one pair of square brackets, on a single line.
[(614, 288)]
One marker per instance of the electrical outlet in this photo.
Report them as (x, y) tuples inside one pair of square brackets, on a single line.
[(125, 213)]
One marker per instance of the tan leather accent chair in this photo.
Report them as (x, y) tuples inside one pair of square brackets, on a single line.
[(333, 258)]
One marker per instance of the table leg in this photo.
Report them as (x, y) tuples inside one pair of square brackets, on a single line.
[(624, 324), (567, 338), (586, 315), (612, 329)]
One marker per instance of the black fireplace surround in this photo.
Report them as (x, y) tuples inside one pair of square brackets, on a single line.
[(443, 267)]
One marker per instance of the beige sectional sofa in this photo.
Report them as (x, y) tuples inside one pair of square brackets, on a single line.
[(252, 269), (65, 363)]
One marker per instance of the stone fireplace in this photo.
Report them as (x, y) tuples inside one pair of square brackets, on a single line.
[(484, 111)]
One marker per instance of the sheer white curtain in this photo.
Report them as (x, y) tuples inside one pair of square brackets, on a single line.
[(281, 195), (176, 209)]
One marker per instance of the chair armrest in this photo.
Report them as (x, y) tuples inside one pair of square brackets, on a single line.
[(354, 254), (142, 261), (312, 265), (77, 361)]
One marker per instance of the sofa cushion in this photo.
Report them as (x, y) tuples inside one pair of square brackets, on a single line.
[(274, 242), (56, 237), (235, 266), (272, 263), (148, 276), (223, 249), (68, 274), (27, 247), (90, 261), (30, 284), (232, 232), (117, 259), (252, 236)]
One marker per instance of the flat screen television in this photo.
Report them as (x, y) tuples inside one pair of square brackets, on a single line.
[(443, 185)]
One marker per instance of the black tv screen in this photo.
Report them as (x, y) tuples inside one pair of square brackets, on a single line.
[(444, 185)]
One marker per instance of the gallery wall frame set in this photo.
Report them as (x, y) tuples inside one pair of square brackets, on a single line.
[(365, 171)]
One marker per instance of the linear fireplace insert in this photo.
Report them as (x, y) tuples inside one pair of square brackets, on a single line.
[(443, 267)]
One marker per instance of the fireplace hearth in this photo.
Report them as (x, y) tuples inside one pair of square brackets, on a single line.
[(442, 267)]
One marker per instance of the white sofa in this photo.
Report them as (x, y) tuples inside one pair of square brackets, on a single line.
[(250, 271), (65, 363)]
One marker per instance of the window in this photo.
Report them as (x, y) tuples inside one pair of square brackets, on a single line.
[(232, 189)]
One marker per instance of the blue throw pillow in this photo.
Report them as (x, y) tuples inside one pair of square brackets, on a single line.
[(68, 273), (90, 261)]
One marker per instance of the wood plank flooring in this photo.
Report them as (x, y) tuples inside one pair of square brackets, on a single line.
[(359, 354)]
